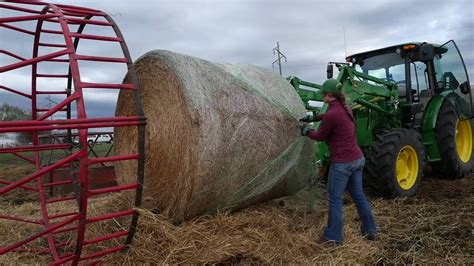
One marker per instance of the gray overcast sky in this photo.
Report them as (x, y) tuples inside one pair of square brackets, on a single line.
[(310, 33)]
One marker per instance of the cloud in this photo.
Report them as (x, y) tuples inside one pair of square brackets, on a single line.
[(310, 33)]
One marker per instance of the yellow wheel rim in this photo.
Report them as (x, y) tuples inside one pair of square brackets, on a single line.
[(407, 167), (464, 140)]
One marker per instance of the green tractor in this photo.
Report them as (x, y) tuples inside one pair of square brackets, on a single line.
[(413, 105)]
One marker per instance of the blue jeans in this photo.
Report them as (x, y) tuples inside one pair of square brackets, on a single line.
[(342, 176)]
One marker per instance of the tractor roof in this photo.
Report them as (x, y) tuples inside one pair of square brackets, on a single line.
[(386, 50)]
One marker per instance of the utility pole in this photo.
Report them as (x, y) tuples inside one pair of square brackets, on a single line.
[(49, 103), (280, 55)]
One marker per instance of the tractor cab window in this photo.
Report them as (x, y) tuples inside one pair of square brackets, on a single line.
[(388, 67), (418, 76), (419, 82), (451, 77), (391, 67)]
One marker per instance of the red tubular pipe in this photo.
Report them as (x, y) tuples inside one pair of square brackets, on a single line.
[(109, 216), (19, 219), (81, 16), (67, 229), (62, 260), (57, 45), (71, 121), (24, 157), (27, 18), (33, 250), (41, 147), (96, 37), (95, 192), (101, 59), (15, 91), (2, 181), (105, 238), (40, 172), (80, 8), (22, 9), (107, 86), (59, 106), (57, 60), (81, 11), (53, 200), (12, 55), (34, 60), (16, 29), (71, 126), (51, 228), (113, 158), (87, 21), (52, 31)]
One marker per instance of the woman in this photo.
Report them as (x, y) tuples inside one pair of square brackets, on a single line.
[(347, 163)]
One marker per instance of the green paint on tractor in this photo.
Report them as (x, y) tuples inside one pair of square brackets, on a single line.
[(408, 97)]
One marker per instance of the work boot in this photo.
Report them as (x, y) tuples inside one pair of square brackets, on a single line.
[(370, 237), (324, 241)]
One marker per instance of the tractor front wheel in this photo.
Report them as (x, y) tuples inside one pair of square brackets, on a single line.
[(454, 139), (395, 164)]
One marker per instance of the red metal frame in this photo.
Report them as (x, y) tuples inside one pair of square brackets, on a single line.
[(71, 222)]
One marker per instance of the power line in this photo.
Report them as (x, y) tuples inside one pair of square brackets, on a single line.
[(280, 55), (49, 103)]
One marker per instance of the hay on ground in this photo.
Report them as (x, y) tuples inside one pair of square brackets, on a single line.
[(434, 227)]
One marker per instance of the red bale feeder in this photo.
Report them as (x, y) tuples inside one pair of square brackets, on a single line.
[(70, 116)]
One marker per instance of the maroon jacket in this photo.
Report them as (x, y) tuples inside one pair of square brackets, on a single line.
[(338, 130)]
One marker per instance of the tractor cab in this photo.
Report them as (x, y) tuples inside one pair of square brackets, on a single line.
[(421, 71)]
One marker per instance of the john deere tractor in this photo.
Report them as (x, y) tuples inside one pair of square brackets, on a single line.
[(413, 105)]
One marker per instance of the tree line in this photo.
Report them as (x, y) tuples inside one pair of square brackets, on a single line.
[(14, 113)]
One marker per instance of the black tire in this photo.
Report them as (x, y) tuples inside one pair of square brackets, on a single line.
[(451, 166), (90, 142), (381, 166)]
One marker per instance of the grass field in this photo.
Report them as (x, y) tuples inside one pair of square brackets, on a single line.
[(9, 159)]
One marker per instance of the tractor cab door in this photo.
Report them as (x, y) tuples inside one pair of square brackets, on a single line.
[(452, 79)]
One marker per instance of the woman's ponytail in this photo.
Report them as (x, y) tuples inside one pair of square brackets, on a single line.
[(341, 97)]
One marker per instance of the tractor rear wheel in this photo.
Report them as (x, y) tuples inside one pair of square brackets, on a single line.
[(454, 139), (395, 164)]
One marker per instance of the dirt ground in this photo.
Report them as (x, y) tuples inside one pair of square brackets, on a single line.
[(435, 226)]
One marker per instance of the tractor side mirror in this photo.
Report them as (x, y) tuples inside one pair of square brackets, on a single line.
[(465, 87), (329, 71), (426, 52)]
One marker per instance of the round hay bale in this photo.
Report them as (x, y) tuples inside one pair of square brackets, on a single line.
[(218, 136)]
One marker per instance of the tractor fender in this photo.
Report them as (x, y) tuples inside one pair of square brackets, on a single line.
[(428, 124), (430, 115)]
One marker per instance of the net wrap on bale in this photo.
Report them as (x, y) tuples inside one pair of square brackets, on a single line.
[(219, 136)]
